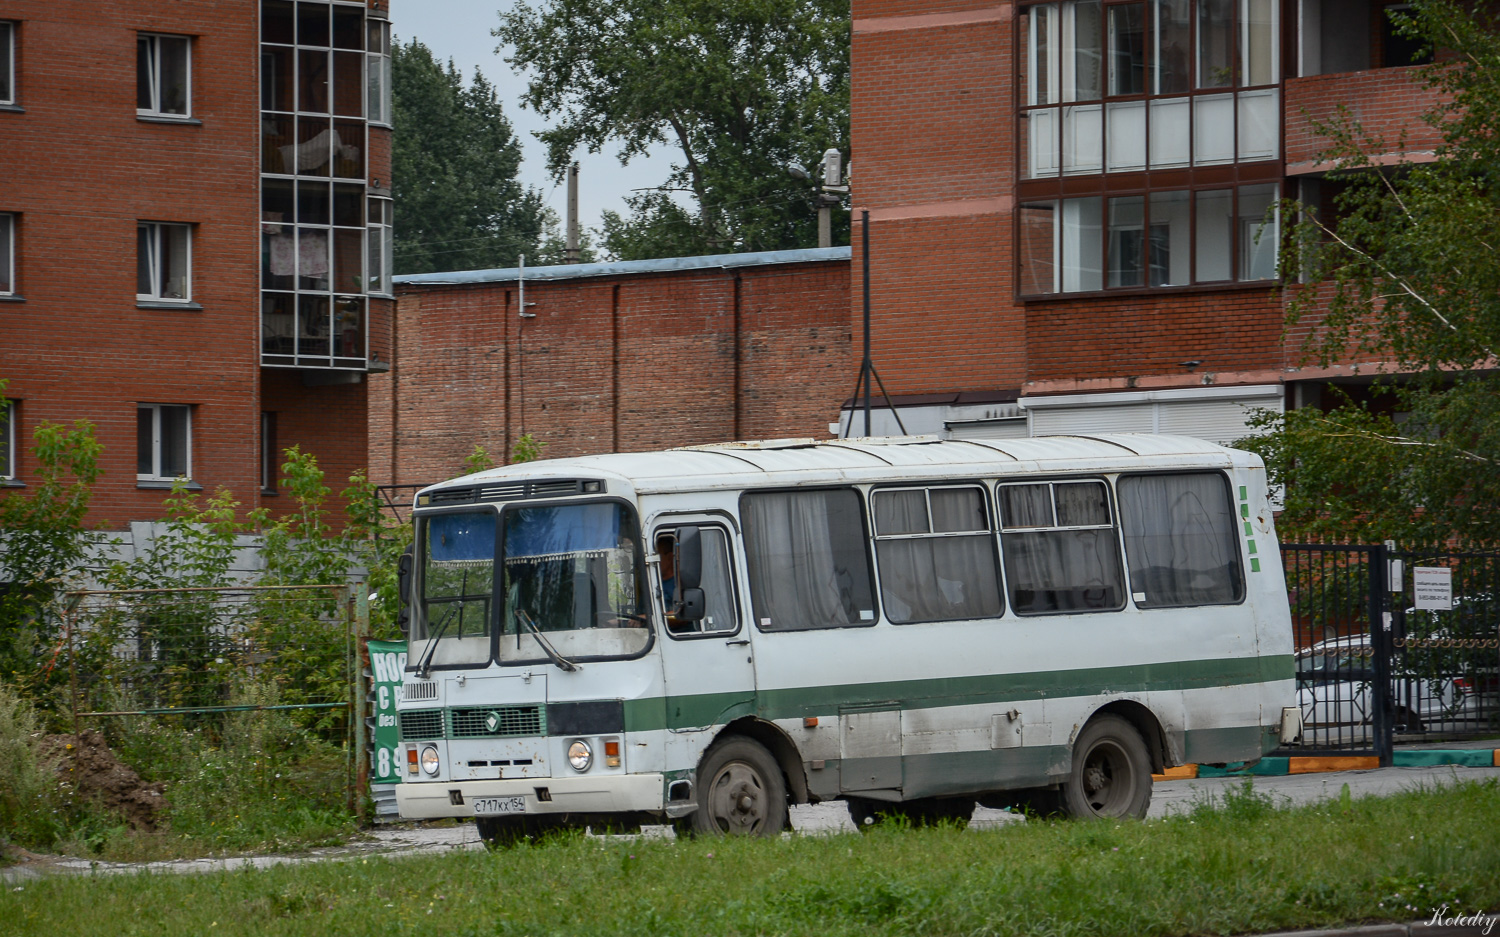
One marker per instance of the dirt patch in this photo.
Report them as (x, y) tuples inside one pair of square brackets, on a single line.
[(86, 762)]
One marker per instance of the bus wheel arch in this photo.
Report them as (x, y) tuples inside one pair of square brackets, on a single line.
[(782, 748), (1109, 773), (1147, 725)]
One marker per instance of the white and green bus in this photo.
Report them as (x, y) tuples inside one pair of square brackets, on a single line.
[(714, 633)]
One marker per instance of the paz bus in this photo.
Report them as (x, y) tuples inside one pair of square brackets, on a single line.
[(707, 635)]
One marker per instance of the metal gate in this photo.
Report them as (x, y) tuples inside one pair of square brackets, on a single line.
[(1339, 613), (1445, 644), (1381, 660)]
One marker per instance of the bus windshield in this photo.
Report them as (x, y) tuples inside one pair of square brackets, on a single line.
[(573, 571)]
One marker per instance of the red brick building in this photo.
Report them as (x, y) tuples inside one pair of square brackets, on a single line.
[(1069, 202), (194, 237), (612, 357)]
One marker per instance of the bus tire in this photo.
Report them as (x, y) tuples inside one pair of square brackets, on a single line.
[(1111, 774), (740, 791)]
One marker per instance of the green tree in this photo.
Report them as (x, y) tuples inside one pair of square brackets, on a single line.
[(43, 545), (454, 161), (739, 88), (1405, 271)]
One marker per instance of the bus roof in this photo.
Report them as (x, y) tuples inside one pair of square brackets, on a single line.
[(791, 462)]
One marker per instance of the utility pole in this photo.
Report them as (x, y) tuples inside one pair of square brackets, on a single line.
[(572, 254)]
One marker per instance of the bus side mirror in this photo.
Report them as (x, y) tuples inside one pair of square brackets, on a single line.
[(689, 558), (403, 589), (403, 576), (693, 605)]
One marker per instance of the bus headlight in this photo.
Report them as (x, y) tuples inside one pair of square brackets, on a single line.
[(430, 760), (580, 756)]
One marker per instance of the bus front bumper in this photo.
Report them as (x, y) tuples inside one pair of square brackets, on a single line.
[(426, 800)]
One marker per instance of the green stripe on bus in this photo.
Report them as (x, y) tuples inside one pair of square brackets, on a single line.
[(683, 712)]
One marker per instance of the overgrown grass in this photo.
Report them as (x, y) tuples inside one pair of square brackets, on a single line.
[(1241, 865), (235, 783)]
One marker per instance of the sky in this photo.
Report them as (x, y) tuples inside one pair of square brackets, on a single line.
[(460, 30)]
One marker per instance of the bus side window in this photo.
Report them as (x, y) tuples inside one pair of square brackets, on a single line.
[(809, 559), (1061, 550), (1181, 540), (936, 554), (717, 583)]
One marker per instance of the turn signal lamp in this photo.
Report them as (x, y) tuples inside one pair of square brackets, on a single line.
[(411, 761), (612, 753)]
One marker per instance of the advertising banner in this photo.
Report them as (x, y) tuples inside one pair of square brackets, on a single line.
[(387, 662)]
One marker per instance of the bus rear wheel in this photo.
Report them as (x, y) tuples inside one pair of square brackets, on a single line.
[(740, 791), (1111, 774)]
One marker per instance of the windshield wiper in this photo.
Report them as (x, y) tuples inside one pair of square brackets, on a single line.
[(557, 658), (424, 669)]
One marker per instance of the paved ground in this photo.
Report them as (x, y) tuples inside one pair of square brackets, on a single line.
[(817, 819)]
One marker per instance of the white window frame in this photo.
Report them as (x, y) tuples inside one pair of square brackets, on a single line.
[(155, 475), (153, 41), (8, 47), (154, 245), (7, 254), (380, 244), (7, 440), (378, 71)]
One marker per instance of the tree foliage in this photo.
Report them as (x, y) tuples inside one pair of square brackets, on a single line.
[(1405, 272), (43, 544), (738, 87), (455, 160)]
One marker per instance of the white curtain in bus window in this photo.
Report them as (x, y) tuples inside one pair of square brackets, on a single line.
[(458, 575), (936, 555), (1061, 552), (1180, 540), (808, 564)]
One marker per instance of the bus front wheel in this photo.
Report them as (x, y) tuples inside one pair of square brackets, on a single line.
[(740, 791), (1111, 774)]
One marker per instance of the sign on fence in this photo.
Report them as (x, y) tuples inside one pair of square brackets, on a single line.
[(387, 662), (1433, 587)]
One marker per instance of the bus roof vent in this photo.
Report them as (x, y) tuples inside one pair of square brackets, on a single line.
[(517, 490)]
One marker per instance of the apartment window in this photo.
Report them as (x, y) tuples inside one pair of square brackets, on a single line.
[(7, 63), (7, 440), (380, 243), (324, 72), (1125, 87), (936, 555), (163, 75), (164, 257), (1153, 239), (163, 442), (1062, 553), (378, 68), (7, 254)]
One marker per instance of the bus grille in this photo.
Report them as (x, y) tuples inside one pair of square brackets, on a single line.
[(422, 724), (511, 721)]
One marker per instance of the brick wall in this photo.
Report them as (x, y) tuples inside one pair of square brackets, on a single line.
[(80, 170), (612, 363), (934, 162), (1385, 101)]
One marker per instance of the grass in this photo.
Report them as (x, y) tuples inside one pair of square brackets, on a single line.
[(1237, 865)]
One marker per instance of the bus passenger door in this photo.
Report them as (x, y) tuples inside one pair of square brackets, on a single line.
[(708, 664)]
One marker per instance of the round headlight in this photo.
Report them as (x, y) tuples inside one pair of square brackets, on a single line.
[(430, 760), (580, 756)]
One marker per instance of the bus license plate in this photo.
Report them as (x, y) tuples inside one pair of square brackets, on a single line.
[(489, 806)]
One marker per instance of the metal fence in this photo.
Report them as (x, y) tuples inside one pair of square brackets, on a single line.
[(193, 654), (1373, 666)]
